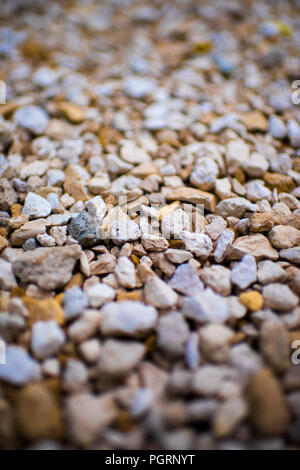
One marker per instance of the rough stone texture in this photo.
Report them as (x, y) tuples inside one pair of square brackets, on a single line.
[(159, 294), (244, 273), (279, 297), (49, 268), (256, 245)]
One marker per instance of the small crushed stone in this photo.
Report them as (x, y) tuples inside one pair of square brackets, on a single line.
[(149, 225)]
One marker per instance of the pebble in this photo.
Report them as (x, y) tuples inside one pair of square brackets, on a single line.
[(268, 272), (267, 408), (127, 318), (98, 294), (8, 195), (90, 350), (84, 228), (178, 256), (38, 414), (204, 174), (256, 166), (197, 243), (218, 278), (284, 236), (119, 358), (125, 272), (279, 297), (46, 339), (88, 415), (252, 300), (96, 207), (293, 129), (36, 168), (173, 224), (235, 207), (256, 245), (275, 345), (208, 380), (172, 334), (185, 280), (237, 154), (20, 367), (7, 278), (223, 245), (49, 268), (214, 342), (159, 294), (74, 302), (228, 417), (36, 206), (205, 307), (245, 272), (33, 118), (75, 376), (277, 127), (291, 254), (86, 326), (45, 240)]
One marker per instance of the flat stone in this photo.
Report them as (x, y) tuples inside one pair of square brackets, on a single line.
[(127, 318), (268, 411), (177, 256), (256, 245), (279, 297), (49, 268), (46, 339), (245, 272), (31, 229), (20, 367), (235, 207), (192, 195)]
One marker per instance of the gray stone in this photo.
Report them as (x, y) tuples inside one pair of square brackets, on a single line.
[(20, 368), (268, 271), (172, 334), (197, 243), (245, 272), (84, 228), (159, 294), (33, 118), (206, 306), (291, 254), (185, 280), (218, 278), (223, 245), (279, 297), (7, 278)]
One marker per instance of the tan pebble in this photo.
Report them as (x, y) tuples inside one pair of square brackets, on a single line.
[(72, 111), (16, 210), (3, 243), (268, 411), (262, 222), (38, 414), (283, 183)]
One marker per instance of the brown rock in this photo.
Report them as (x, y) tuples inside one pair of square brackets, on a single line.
[(38, 414), (29, 230), (254, 121), (49, 268), (8, 195), (45, 309), (283, 183), (262, 222), (257, 245), (192, 195), (275, 345), (268, 411), (284, 236), (75, 184)]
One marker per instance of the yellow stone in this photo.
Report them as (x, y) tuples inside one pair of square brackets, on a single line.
[(72, 111), (254, 121), (134, 295), (16, 210), (252, 300), (45, 309), (74, 183), (167, 209)]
